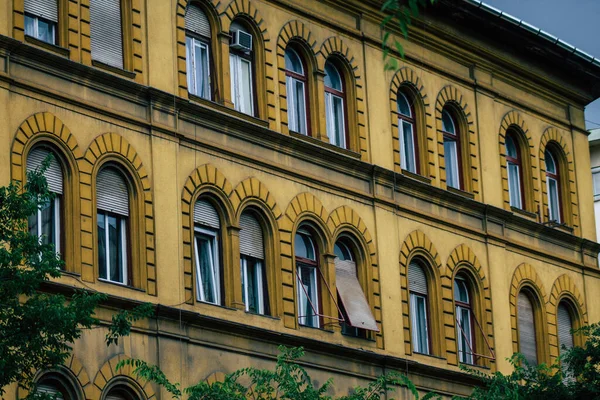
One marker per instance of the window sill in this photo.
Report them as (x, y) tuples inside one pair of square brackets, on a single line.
[(114, 70), (315, 141), (418, 177), (314, 329), (561, 226), (120, 285), (205, 303), (524, 213), (416, 353), (48, 46), (209, 103), (264, 316), (461, 192)]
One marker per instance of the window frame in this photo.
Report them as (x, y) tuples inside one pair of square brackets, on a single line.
[(236, 57), (456, 138), (518, 162), (213, 236), (36, 19), (294, 76), (313, 265), (413, 314), (458, 306), (557, 179), (124, 245), (412, 121), (198, 41), (329, 94)]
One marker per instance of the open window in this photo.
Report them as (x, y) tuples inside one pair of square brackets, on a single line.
[(407, 133), (46, 223), (207, 239), (241, 64), (198, 53), (514, 166), (452, 149), (335, 106), (553, 186), (41, 20), (419, 308), (356, 316), (252, 265), (297, 92), (112, 203)]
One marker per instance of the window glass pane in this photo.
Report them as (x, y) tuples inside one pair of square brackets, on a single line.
[(300, 107), (47, 223), (30, 25), (114, 243), (32, 223), (252, 278), (304, 246), (407, 149), (419, 324), (464, 331), (403, 105), (205, 269), (342, 251), (189, 59), (335, 120), (553, 204), (461, 292), (246, 86), (332, 77), (233, 61), (451, 157), (448, 122), (514, 185), (293, 62), (511, 149), (596, 179), (550, 162), (46, 31), (101, 246), (307, 289), (204, 87)]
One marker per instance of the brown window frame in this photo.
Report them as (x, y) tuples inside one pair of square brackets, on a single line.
[(303, 79), (413, 122), (518, 162), (455, 137)]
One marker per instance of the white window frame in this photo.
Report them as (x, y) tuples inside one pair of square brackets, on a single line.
[(191, 65), (555, 193), (415, 333), (36, 33), (122, 220), (302, 297), (293, 103), (259, 283), (330, 121), (55, 222), (235, 63), (215, 267), (518, 200)]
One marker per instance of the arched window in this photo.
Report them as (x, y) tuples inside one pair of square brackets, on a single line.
[(553, 187), (452, 150), (241, 59), (309, 302), (419, 308), (356, 316), (515, 171), (197, 47), (464, 321), (47, 222), (565, 326), (527, 328), (409, 154), (252, 265), (56, 385), (41, 20), (106, 32), (207, 236), (296, 87), (335, 106), (112, 203), (122, 392)]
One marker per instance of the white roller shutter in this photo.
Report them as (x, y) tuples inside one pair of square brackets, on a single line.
[(106, 32), (417, 280), (565, 337), (251, 237), (352, 296), (53, 174), (196, 21), (205, 214), (526, 326), (47, 9), (111, 192)]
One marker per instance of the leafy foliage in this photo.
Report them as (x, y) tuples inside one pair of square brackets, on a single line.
[(398, 13), (288, 381), (37, 328)]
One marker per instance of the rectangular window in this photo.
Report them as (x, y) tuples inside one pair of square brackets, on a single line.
[(553, 200), (207, 266), (596, 180), (308, 298), (45, 223), (112, 247), (465, 335), (198, 67), (514, 185), (253, 288), (106, 32), (40, 29), (241, 84), (407, 147), (296, 105), (451, 158), (335, 119), (420, 334)]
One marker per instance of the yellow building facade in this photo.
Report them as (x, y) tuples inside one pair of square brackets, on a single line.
[(447, 215)]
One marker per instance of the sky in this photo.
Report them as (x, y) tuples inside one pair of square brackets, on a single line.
[(577, 22)]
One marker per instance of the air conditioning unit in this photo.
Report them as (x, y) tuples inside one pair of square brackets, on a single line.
[(241, 40)]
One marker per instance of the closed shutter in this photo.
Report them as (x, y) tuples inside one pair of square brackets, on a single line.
[(196, 21), (111, 192), (417, 281), (251, 237), (565, 337), (53, 174), (205, 214), (353, 298), (106, 32), (47, 9), (526, 326)]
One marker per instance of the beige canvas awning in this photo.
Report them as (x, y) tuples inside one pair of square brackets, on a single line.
[(352, 296)]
